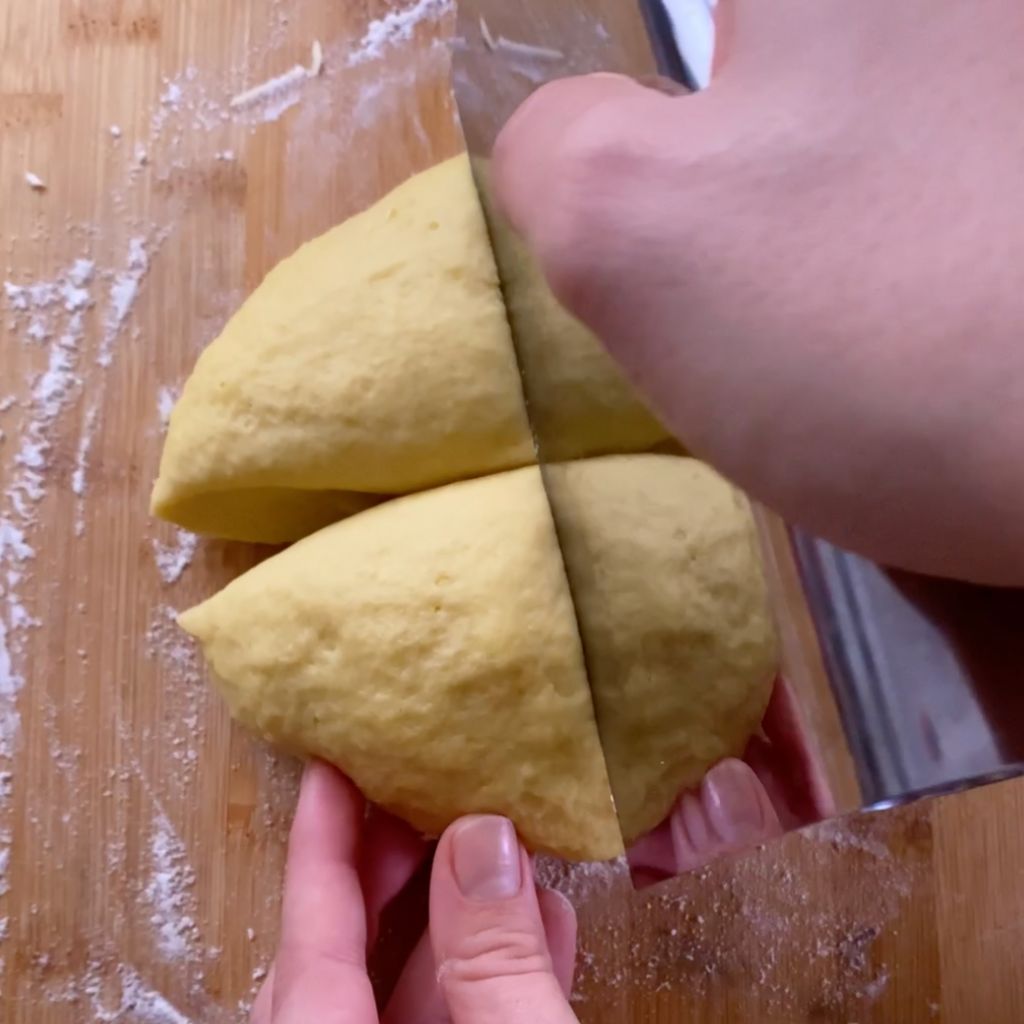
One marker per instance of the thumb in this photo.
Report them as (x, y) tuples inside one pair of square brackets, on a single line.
[(493, 962), (567, 156)]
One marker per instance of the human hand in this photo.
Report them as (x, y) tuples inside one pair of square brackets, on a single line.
[(809, 269), (777, 786), (499, 951)]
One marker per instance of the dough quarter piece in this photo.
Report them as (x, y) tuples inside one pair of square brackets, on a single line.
[(428, 648), (375, 360), (673, 608)]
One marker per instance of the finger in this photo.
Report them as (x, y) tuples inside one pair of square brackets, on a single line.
[(417, 998), (731, 812), (321, 962), (492, 956), (559, 918), (391, 852), (541, 140), (263, 1003), (652, 858), (797, 762)]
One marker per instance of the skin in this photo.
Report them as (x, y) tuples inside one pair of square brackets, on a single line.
[(499, 950), (812, 270)]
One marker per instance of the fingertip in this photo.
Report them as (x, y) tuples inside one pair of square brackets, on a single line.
[(556, 908), (329, 816), (737, 805)]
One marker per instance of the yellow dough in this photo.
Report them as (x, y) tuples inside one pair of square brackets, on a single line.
[(671, 599), (429, 647), (376, 360)]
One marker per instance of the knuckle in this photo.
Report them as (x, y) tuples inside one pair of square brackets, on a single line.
[(492, 953), (599, 165)]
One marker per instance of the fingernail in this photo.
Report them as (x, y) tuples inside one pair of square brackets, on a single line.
[(695, 821), (485, 857), (731, 797)]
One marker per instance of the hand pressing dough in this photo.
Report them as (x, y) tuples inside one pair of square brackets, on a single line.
[(579, 402), (377, 360), (429, 647)]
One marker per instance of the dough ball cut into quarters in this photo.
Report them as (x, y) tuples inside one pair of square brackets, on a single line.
[(430, 647), (377, 360)]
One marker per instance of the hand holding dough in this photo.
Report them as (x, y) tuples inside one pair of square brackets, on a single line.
[(430, 649)]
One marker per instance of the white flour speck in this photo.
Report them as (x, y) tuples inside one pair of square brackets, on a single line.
[(35, 182), (123, 292), (166, 399), (78, 477), (173, 559), (171, 96)]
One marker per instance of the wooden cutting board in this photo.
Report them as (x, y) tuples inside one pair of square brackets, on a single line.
[(140, 835)]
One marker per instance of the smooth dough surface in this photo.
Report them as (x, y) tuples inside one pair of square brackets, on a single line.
[(376, 360), (430, 648), (662, 558)]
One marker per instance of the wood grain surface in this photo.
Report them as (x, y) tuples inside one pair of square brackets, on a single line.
[(141, 836)]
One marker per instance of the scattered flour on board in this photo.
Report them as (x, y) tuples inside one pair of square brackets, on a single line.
[(170, 893), (173, 559), (118, 995), (141, 1003), (167, 643), (822, 898), (186, 695), (48, 316), (397, 27), (123, 291)]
